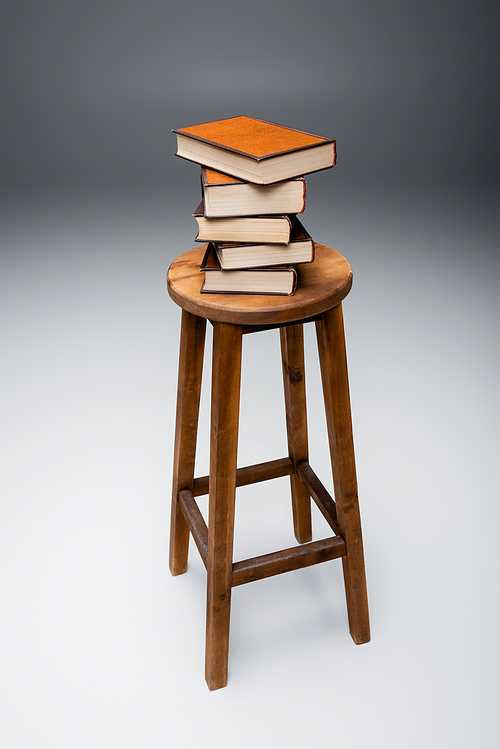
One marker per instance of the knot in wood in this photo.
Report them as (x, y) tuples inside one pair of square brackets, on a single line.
[(295, 375)]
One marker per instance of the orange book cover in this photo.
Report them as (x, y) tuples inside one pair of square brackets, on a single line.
[(254, 138)]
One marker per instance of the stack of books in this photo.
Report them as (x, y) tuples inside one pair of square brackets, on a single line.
[(252, 190)]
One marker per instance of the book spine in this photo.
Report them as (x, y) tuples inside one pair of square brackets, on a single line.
[(294, 287), (304, 190)]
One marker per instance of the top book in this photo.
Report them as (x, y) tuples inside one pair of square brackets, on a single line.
[(255, 150)]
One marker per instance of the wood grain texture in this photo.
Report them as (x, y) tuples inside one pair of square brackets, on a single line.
[(321, 285), (226, 375), (333, 363), (294, 384), (320, 495), (287, 560), (192, 345), (272, 469), (196, 523)]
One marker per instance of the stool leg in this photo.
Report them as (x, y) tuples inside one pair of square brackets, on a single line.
[(333, 361), (191, 351), (226, 375), (292, 355)]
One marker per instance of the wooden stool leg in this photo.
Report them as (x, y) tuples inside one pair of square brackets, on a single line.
[(333, 361), (226, 375), (191, 352), (292, 354)]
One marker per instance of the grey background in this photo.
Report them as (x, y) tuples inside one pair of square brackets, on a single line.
[(99, 646)]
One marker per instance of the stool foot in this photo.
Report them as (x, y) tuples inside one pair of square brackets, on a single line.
[(226, 375), (192, 346), (292, 355), (333, 362)]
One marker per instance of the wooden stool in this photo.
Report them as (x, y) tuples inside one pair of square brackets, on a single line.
[(322, 285)]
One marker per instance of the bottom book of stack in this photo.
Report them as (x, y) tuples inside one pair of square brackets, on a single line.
[(279, 279)]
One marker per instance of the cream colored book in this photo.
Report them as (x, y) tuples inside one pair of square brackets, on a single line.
[(276, 281), (269, 229), (238, 256), (224, 195)]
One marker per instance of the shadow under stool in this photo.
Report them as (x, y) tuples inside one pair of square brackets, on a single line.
[(322, 285)]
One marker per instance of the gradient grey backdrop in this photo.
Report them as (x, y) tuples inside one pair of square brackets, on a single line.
[(99, 646)]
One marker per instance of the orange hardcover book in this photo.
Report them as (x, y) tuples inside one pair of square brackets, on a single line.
[(255, 150)]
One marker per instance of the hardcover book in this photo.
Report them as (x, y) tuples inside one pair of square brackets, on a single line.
[(267, 229), (238, 256), (224, 195), (279, 280), (255, 150)]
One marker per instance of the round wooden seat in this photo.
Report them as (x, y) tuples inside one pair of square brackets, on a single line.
[(322, 285)]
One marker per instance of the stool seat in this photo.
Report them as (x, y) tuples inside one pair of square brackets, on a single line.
[(321, 285)]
